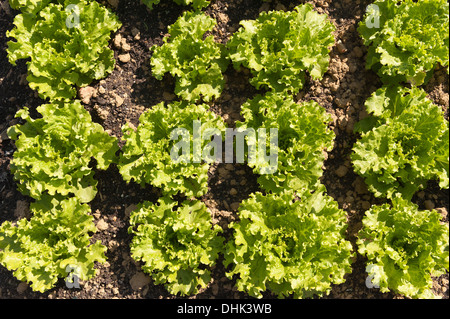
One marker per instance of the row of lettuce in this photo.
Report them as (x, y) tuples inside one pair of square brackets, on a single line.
[(290, 237), (404, 143)]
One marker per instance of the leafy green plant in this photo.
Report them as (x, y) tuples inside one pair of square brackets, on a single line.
[(175, 243), (31, 6), (406, 39), (404, 143), (196, 4), (53, 242), (54, 152), (303, 137), (65, 53), (289, 245), (195, 62), (148, 154), (405, 247), (279, 47)]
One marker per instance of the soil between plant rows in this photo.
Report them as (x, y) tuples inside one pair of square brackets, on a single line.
[(131, 89)]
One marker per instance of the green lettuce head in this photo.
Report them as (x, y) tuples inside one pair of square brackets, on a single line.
[(288, 245), (176, 243), (406, 39), (405, 247), (404, 143), (67, 44), (54, 152), (279, 47)]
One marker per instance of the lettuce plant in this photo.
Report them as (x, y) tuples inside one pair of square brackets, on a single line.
[(405, 247), (288, 245), (175, 243), (196, 4), (303, 136), (406, 39), (31, 6), (148, 154), (55, 241), (403, 144), (54, 152), (195, 62), (65, 52), (279, 47)]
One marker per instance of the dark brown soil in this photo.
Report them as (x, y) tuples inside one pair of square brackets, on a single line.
[(130, 89)]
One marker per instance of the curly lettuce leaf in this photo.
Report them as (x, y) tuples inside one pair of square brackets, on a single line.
[(65, 54), (405, 247), (406, 39), (177, 244), (403, 144), (195, 62), (54, 152), (56, 238), (31, 6), (288, 246), (303, 136), (279, 47), (147, 154)]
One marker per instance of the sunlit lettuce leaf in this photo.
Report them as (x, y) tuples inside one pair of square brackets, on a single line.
[(31, 6)]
